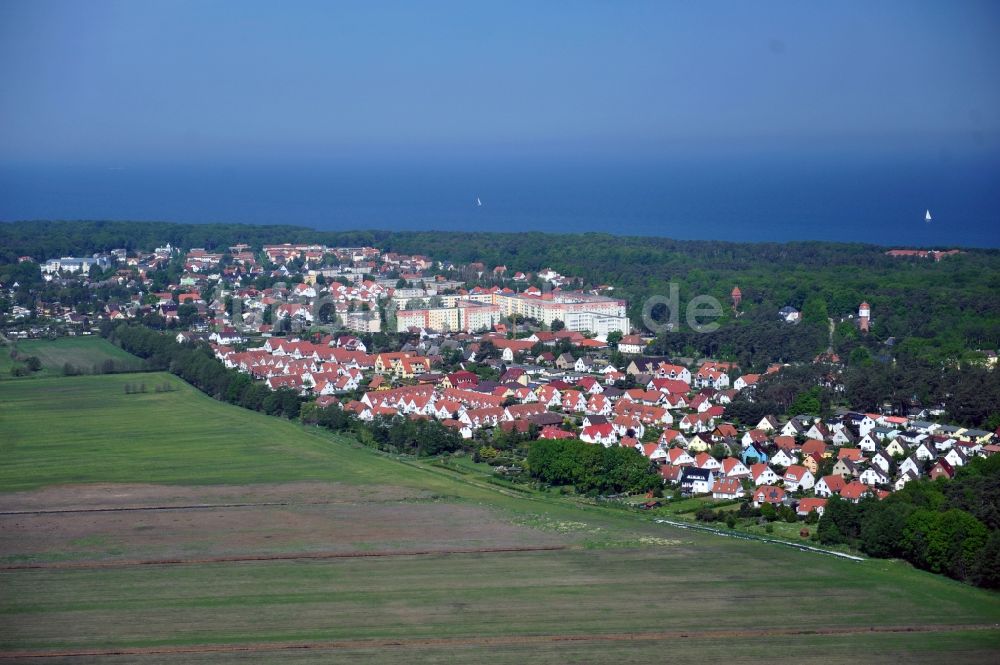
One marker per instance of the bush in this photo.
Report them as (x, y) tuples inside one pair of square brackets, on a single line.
[(705, 515)]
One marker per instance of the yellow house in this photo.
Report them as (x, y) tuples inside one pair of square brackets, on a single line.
[(697, 445), (895, 448)]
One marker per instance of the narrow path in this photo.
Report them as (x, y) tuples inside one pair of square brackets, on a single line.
[(489, 641), (297, 556)]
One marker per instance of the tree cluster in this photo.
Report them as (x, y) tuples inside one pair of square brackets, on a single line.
[(591, 468)]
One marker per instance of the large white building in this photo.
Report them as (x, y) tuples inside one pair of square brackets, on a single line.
[(599, 324), (582, 312), (73, 264)]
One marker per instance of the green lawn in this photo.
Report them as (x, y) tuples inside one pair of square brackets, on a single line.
[(86, 353), (621, 574), (87, 429)]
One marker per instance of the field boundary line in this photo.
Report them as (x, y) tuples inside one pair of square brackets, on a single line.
[(299, 556), (487, 641), (763, 539), (193, 506)]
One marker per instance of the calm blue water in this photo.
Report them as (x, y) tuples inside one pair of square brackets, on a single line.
[(759, 199)]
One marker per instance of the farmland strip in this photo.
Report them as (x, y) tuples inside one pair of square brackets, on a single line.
[(488, 641)]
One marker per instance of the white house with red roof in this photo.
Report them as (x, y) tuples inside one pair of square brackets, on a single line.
[(798, 478), (732, 467), (762, 474), (653, 452), (706, 461), (679, 457), (603, 434), (727, 488), (768, 494), (808, 505)]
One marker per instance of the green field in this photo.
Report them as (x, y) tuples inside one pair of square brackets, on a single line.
[(87, 355), (225, 568)]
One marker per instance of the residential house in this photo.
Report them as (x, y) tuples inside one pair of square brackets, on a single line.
[(679, 457), (768, 494), (727, 488), (873, 476), (854, 491), (784, 458), (903, 478), (754, 454), (602, 434), (697, 481), (706, 461), (846, 468), (808, 505), (768, 424), (734, 468), (754, 436), (941, 468), (882, 461), (797, 477), (762, 474), (829, 485), (652, 452)]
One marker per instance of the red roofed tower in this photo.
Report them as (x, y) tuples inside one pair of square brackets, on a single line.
[(737, 297), (864, 316)]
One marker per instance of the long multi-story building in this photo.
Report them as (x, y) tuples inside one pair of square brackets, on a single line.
[(582, 312), (579, 311), (363, 322), (465, 315)]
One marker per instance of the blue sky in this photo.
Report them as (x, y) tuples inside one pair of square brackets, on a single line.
[(102, 81)]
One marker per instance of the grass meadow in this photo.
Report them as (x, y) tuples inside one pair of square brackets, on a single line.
[(86, 354), (620, 589)]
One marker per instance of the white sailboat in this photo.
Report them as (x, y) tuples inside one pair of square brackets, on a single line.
[(927, 217), (480, 203)]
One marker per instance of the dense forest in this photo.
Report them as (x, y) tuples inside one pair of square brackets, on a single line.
[(969, 394), (945, 526), (937, 311)]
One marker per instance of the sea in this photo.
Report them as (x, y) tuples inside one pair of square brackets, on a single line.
[(746, 199)]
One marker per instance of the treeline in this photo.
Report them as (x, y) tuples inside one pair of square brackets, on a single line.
[(591, 469), (950, 527), (196, 365), (406, 436)]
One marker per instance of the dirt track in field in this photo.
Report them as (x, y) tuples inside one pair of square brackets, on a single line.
[(510, 640), (106, 526), (275, 557)]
